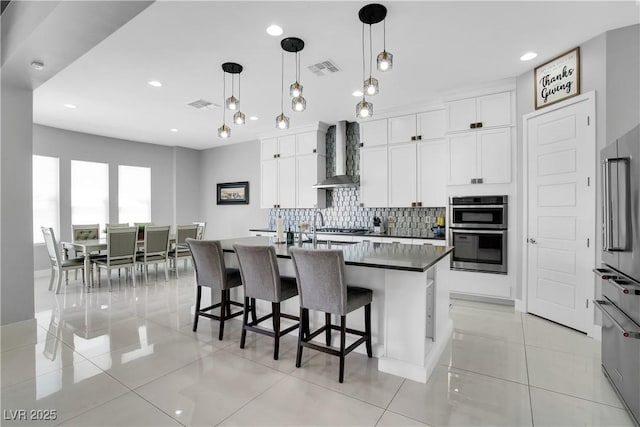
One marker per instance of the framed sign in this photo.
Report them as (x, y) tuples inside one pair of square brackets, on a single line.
[(557, 79), (233, 193)]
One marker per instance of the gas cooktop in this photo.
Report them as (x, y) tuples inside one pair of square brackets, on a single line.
[(342, 230)]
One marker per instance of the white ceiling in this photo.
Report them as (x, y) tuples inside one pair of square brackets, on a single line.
[(437, 47)]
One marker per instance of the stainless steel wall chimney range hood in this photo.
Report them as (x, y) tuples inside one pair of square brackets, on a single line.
[(340, 179)]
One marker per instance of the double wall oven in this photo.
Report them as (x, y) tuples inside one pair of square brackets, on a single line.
[(478, 231), (620, 272)]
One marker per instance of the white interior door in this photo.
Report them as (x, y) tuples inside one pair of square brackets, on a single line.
[(561, 213)]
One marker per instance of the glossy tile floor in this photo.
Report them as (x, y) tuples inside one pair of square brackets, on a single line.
[(129, 358)]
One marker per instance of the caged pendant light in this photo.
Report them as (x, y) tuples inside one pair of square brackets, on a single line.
[(238, 118), (295, 45)]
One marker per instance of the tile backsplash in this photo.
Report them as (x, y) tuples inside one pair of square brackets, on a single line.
[(343, 208)]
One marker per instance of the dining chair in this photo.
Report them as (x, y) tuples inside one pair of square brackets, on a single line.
[(58, 264), (322, 287), (180, 248), (202, 226), (211, 272), (156, 250), (122, 243), (261, 280), (83, 232)]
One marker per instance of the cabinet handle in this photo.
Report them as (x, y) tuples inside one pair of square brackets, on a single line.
[(419, 204), (275, 156), (479, 181), (362, 144), (315, 151), (413, 204), (473, 125), (479, 124), (474, 180), (419, 137), (413, 138)]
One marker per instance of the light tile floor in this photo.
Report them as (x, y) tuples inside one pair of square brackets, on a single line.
[(129, 358)]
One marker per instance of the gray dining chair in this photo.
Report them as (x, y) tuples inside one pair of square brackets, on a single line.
[(122, 243), (322, 287), (202, 226), (155, 250), (180, 249), (58, 264), (211, 272), (261, 280), (84, 232)]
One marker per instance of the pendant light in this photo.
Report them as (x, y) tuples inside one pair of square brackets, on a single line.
[(239, 117), (364, 109), (232, 68), (282, 121), (385, 59), (370, 85), (295, 45), (372, 14)]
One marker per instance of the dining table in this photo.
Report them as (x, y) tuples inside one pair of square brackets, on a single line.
[(89, 246)]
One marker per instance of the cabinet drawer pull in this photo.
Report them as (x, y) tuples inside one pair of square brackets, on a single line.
[(419, 137), (275, 156), (413, 138), (479, 124), (472, 125), (315, 150), (419, 204), (413, 204), (479, 181), (474, 180)]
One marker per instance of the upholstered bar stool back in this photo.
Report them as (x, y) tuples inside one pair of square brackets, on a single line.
[(322, 287), (211, 272), (261, 280)]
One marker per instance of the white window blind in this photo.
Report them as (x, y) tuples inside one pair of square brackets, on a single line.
[(134, 194), (46, 196), (89, 193)]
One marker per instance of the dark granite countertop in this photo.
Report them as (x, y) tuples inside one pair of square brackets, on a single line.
[(392, 256), (366, 233)]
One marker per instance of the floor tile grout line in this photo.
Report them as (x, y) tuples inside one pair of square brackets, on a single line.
[(404, 380), (578, 397), (526, 361)]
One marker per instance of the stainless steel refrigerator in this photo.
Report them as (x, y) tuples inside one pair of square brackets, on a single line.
[(620, 272)]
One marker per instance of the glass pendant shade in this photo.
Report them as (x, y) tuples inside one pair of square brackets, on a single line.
[(224, 131), (298, 104), (295, 90), (385, 61), (364, 109), (370, 86), (282, 121), (239, 118), (232, 103)]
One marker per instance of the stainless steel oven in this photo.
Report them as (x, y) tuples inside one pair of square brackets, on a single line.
[(478, 231)]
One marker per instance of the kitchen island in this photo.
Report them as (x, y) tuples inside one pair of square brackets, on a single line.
[(410, 307)]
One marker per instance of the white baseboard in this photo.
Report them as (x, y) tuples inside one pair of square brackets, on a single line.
[(520, 306)]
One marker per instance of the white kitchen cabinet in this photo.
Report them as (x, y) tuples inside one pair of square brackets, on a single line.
[(479, 113), (269, 148), (283, 146), (278, 183), (482, 157), (418, 174), (310, 143), (310, 170), (402, 175), (373, 133), (432, 173), (416, 127), (373, 177)]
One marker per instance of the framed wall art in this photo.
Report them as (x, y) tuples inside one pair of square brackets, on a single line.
[(233, 193), (557, 79)]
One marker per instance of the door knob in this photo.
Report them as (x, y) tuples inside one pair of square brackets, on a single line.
[(532, 240)]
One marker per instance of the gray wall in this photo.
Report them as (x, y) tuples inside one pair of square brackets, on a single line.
[(609, 65), (170, 186), (16, 204), (231, 163)]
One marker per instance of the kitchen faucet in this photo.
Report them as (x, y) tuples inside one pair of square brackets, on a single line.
[(315, 228)]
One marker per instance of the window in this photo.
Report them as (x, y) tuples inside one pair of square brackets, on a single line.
[(134, 194), (89, 193), (46, 196)]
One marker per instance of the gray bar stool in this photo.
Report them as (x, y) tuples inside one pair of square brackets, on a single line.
[(322, 287), (208, 262), (261, 280)]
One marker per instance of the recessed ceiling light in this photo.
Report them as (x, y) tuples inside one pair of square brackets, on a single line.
[(357, 93), (37, 65), (72, 106), (528, 56), (274, 30), (254, 118), (173, 130), (155, 83)]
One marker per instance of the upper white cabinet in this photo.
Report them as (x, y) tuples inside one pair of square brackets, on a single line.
[(373, 133), (481, 112), (291, 165), (482, 157), (416, 127), (373, 177), (402, 175)]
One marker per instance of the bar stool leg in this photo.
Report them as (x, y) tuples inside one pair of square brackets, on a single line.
[(254, 315), (245, 319), (343, 335), (327, 331), (301, 331), (367, 328), (275, 307), (195, 318), (223, 309)]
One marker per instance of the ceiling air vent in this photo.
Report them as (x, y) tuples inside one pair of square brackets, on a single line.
[(323, 68), (203, 104)]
